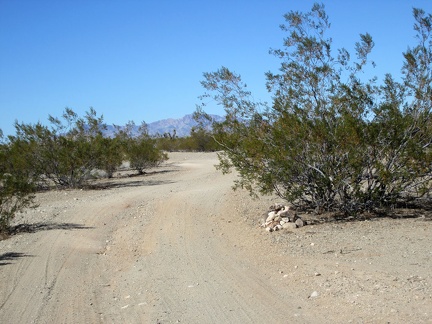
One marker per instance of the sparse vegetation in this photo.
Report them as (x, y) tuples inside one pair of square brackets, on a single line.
[(17, 184), (65, 154), (330, 141), (199, 140), (141, 151)]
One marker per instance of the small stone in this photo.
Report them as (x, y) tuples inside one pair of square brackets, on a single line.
[(273, 224), (270, 216), (289, 226), (269, 229), (277, 207), (314, 294), (287, 213), (299, 222)]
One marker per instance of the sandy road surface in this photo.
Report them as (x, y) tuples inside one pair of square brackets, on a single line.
[(178, 246), (147, 250)]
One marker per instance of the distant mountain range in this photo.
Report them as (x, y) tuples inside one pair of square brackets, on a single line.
[(182, 126)]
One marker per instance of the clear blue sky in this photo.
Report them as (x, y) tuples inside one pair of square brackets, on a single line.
[(144, 60)]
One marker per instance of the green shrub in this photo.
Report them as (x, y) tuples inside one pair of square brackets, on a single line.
[(330, 141)]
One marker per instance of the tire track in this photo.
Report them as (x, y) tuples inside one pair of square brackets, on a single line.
[(152, 253), (214, 282)]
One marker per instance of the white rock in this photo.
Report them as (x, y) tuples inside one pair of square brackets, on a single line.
[(274, 224), (278, 227), (299, 222), (289, 226), (271, 215), (314, 294)]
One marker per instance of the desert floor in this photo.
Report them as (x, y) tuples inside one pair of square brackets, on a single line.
[(177, 245)]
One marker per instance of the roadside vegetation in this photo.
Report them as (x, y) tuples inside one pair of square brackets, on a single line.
[(199, 140), (330, 141), (68, 153)]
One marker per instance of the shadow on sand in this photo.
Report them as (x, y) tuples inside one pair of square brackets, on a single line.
[(33, 228), (420, 210), (125, 184), (129, 180), (37, 227), (11, 256)]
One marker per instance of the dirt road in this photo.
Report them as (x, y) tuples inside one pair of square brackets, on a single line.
[(178, 246)]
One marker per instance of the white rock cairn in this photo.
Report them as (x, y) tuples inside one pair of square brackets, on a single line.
[(281, 217)]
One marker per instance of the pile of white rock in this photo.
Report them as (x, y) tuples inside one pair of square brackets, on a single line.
[(282, 217)]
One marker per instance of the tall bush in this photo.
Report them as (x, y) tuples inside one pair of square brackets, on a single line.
[(64, 153), (330, 141), (17, 184), (141, 150)]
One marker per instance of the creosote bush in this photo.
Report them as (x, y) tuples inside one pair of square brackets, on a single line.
[(141, 151), (330, 141), (200, 139), (65, 154), (16, 184)]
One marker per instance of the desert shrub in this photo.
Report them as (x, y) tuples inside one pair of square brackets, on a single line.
[(64, 153), (143, 154), (110, 154), (330, 141), (17, 184), (168, 144), (199, 140), (140, 150)]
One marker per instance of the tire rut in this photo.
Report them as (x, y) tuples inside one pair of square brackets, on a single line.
[(163, 253)]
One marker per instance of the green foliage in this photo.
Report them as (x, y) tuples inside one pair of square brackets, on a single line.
[(65, 153), (330, 141), (169, 142), (143, 154), (110, 154), (141, 151), (16, 184), (199, 140)]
